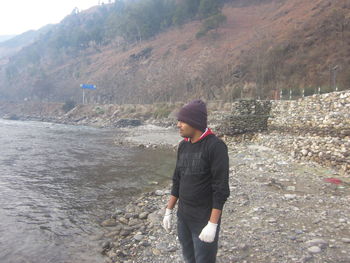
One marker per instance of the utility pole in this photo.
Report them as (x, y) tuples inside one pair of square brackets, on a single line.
[(334, 77)]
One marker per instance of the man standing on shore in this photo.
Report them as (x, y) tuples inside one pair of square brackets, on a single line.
[(200, 183)]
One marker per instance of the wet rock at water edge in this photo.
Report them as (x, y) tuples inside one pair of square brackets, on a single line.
[(12, 117), (105, 247), (109, 222), (127, 122), (125, 232)]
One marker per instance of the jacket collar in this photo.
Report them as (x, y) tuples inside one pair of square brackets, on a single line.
[(204, 134)]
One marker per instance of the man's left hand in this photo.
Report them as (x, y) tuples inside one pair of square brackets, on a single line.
[(208, 232)]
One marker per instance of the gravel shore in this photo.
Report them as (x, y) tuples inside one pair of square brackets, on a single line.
[(280, 210)]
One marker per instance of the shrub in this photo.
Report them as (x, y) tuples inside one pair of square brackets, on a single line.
[(163, 111), (99, 110), (210, 23)]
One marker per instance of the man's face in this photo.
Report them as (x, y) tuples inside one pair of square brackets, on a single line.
[(185, 129)]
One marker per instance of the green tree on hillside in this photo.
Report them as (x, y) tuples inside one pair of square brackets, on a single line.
[(208, 8), (185, 11)]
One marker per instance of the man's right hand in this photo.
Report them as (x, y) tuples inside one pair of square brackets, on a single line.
[(167, 219)]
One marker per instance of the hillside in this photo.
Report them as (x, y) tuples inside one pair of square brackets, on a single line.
[(261, 46), (5, 37), (11, 45)]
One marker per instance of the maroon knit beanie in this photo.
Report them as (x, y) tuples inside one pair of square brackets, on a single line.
[(195, 114)]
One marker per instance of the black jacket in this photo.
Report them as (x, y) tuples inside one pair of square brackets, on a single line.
[(201, 177)]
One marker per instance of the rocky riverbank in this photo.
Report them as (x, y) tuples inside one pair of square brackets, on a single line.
[(100, 115), (150, 136), (280, 210), (289, 181), (110, 115)]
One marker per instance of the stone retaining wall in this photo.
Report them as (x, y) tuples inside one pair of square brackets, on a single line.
[(245, 116), (326, 114), (313, 128)]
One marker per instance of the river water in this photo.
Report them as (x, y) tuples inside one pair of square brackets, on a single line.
[(57, 182)]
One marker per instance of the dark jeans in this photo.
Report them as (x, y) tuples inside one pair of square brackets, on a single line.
[(195, 250)]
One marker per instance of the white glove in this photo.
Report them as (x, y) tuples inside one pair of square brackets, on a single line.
[(208, 232), (167, 219)]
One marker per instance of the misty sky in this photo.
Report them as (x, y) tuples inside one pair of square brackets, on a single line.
[(18, 16)]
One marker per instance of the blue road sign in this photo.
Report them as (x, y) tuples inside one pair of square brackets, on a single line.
[(88, 86)]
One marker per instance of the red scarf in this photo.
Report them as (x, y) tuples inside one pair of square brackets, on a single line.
[(204, 134)]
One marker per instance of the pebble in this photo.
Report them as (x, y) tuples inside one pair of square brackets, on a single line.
[(345, 240), (290, 188), (158, 192), (289, 196), (138, 237), (314, 249), (317, 242), (123, 220), (143, 215), (125, 232), (272, 220), (156, 252)]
